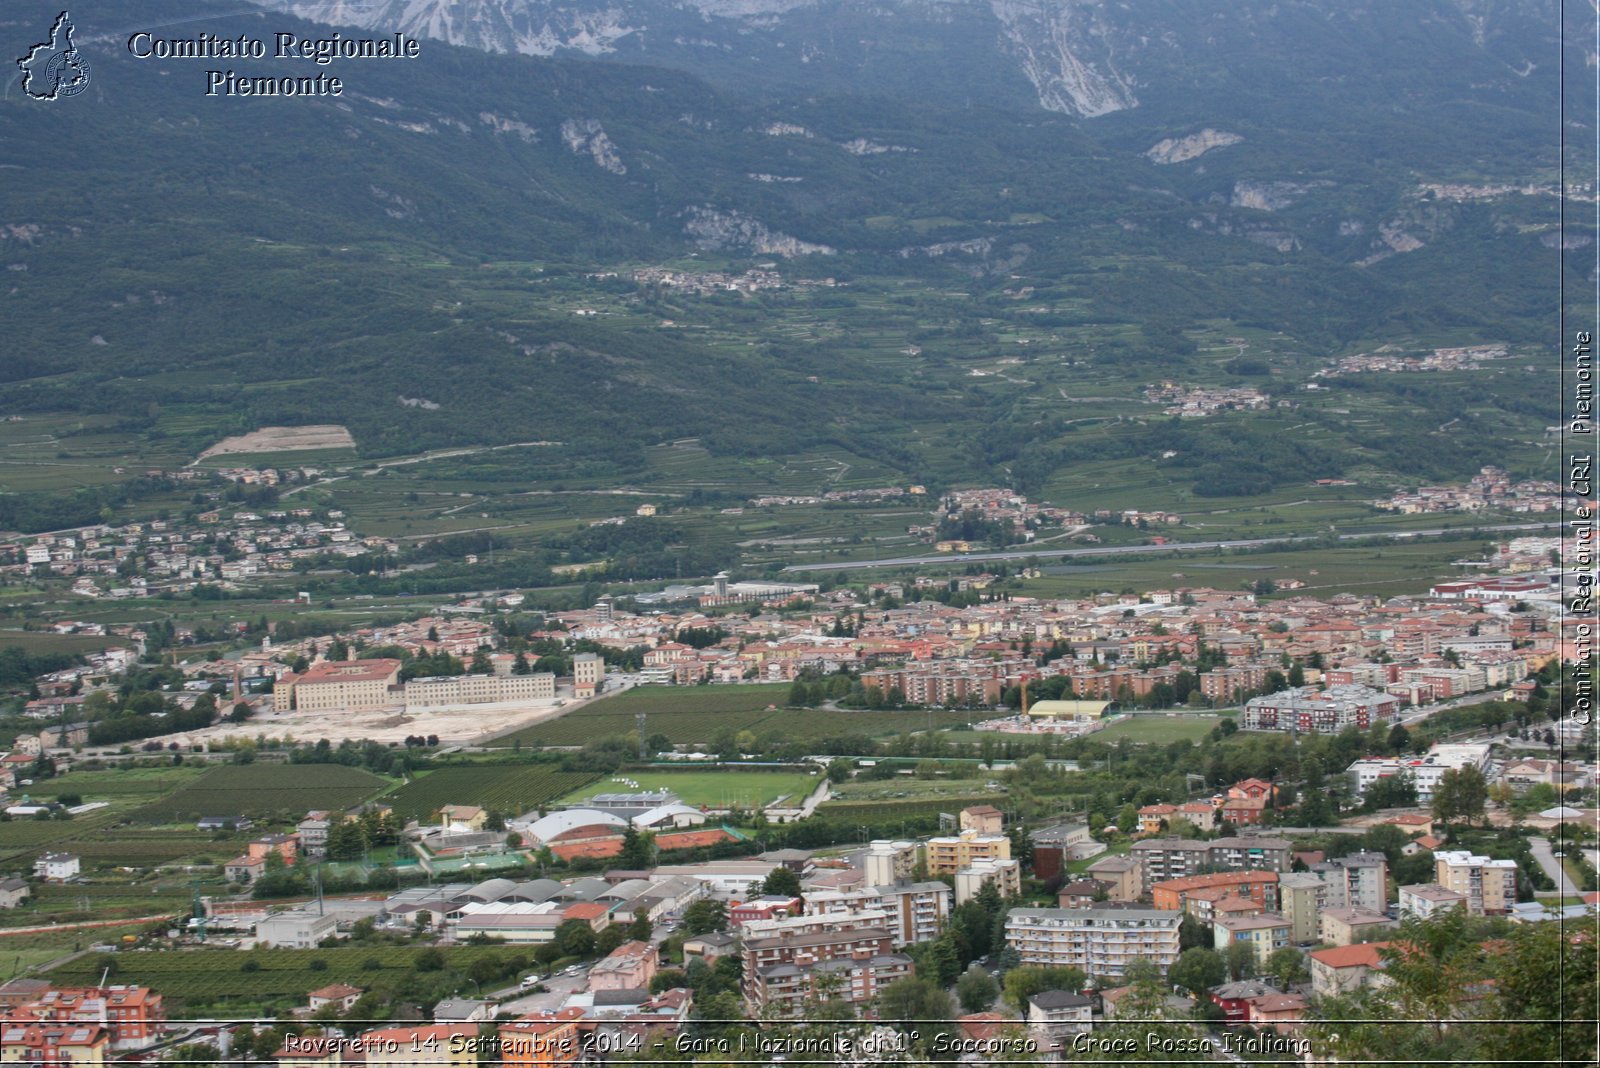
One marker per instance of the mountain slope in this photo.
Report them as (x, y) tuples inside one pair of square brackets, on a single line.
[(194, 266)]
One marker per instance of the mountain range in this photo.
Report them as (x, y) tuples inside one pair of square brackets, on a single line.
[(1342, 172)]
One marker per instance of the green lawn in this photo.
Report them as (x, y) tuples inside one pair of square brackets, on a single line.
[(716, 787), (1158, 728)]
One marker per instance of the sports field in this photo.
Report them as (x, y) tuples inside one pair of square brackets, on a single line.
[(1158, 728)]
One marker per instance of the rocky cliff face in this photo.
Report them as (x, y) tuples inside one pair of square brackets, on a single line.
[(1066, 50), (1086, 58)]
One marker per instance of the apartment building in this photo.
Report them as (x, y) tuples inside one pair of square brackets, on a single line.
[(916, 912), (54, 1045), (1162, 859), (783, 969), (1426, 900), (1347, 926), (1346, 969), (1308, 710), (1005, 875), (948, 854), (985, 819), (1259, 886), (1124, 873), (1263, 933), (1489, 886), (541, 1040), (1357, 881), (131, 1016), (1101, 942), (1300, 896), (630, 966), (887, 862)]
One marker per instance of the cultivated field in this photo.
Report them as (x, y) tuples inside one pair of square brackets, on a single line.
[(264, 790), (693, 715), (889, 811), (513, 789), (713, 787), (216, 974)]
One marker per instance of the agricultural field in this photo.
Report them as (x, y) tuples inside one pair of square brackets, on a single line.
[(120, 783), (101, 901), (22, 840), (37, 642), (511, 789), (265, 791), (143, 847), (221, 974), (685, 714), (1158, 729), (713, 787), (23, 951), (1386, 570), (890, 811), (902, 788), (693, 715)]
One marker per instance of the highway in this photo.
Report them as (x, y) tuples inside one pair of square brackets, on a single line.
[(1120, 550)]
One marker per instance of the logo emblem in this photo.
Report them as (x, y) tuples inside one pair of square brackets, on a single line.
[(54, 69)]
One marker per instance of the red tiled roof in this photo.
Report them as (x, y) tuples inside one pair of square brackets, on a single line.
[(349, 671), (1364, 953)]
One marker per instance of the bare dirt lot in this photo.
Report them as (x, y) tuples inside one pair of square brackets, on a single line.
[(463, 725), (284, 439)]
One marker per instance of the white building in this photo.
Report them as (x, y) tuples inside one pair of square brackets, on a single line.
[(295, 930), (57, 867), (1101, 942), (887, 862), (1426, 900), (1424, 771), (1006, 875)]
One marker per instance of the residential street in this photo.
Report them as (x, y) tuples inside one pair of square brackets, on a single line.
[(1552, 867)]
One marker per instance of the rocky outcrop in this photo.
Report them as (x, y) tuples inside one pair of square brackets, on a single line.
[(717, 230), (977, 246), (587, 135), (510, 127), (860, 146), (1267, 196), (1183, 149)]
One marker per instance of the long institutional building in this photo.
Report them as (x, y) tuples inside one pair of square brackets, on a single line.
[(356, 685)]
